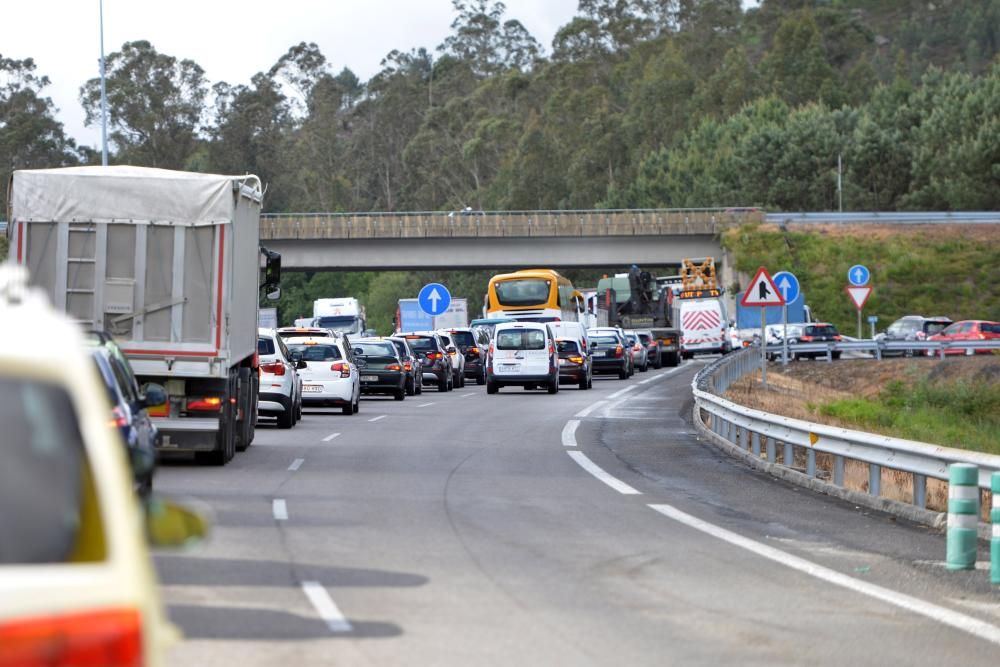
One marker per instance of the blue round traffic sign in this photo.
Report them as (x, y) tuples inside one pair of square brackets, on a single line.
[(788, 285), (434, 298), (858, 275)]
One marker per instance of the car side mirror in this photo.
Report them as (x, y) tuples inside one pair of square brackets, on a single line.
[(153, 395), (300, 364), (295, 357), (169, 524)]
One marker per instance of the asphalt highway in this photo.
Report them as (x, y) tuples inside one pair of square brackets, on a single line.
[(584, 528)]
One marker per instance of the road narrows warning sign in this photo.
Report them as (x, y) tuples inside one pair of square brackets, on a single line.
[(762, 291)]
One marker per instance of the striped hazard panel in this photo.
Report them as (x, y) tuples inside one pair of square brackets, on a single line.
[(700, 320)]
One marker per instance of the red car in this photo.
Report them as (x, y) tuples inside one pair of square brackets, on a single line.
[(964, 330)]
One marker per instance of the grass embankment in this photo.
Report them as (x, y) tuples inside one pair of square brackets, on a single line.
[(955, 414), (3, 248), (921, 269)]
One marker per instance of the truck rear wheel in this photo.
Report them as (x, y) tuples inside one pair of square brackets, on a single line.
[(673, 359), (247, 403)]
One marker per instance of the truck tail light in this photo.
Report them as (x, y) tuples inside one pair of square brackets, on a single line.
[(110, 638), (342, 368), (274, 368), (204, 404)]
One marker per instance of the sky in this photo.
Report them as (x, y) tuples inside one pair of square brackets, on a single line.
[(232, 41)]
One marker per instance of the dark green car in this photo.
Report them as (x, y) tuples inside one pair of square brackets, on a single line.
[(380, 366)]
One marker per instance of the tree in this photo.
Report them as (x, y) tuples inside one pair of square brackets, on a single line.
[(155, 105), (30, 136), (488, 43), (796, 68)]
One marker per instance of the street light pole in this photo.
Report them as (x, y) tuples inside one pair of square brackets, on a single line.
[(104, 98)]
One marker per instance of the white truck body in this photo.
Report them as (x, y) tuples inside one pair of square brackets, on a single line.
[(167, 262), (410, 317), (342, 314)]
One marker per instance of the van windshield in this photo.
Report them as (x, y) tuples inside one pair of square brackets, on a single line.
[(521, 339)]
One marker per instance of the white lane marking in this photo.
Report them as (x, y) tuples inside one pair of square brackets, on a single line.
[(331, 437), (590, 408), (569, 433), (467, 396), (647, 381), (375, 419), (622, 391), (593, 469), (326, 607), (296, 464), (280, 509), (955, 619), (425, 405)]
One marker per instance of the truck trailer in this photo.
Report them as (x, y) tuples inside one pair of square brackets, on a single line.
[(168, 263)]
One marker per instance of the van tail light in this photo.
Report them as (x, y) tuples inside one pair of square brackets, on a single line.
[(490, 351), (343, 368), (111, 638), (619, 351), (205, 404), (274, 368), (552, 348), (393, 367), (118, 418)]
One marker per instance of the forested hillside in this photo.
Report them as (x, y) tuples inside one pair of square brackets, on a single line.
[(636, 103)]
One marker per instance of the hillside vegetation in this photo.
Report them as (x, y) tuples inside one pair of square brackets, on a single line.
[(925, 270)]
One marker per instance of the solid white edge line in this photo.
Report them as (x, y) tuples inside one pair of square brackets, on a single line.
[(599, 473), (296, 464), (326, 607), (375, 419), (934, 612), (280, 509), (590, 408), (569, 433), (331, 437), (622, 391)]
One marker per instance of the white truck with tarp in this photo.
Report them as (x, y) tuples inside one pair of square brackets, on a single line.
[(168, 263)]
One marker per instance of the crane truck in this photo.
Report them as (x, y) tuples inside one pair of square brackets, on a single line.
[(635, 301)]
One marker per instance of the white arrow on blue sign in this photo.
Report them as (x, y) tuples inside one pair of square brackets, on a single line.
[(434, 298), (788, 285), (858, 275)]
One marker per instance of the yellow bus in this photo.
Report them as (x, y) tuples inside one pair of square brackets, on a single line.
[(537, 295)]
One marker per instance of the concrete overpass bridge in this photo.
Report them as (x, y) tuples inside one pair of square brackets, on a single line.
[(494, 239)]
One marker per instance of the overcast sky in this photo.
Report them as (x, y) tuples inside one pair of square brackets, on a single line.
[(230, 40)]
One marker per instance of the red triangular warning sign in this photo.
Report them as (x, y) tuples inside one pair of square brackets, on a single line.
[(859, 295), (762, 291)]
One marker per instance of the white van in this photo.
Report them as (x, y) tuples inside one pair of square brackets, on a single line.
[(574, 331), (522, 354), (704, 326)]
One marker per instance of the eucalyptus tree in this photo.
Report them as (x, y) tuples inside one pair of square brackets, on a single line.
[(490, 44), (155, 105)]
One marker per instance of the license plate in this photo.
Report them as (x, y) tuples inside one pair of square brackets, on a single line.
[(509, 367), (369, 378), (312, 388)]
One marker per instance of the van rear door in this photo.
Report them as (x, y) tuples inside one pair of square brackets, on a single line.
[(521, 351)]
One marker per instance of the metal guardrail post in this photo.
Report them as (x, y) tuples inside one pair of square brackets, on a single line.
[(755, 444), (811, 462), (995, 519), (920, 490), (772, 453), (838, 470), (874, 480), (789, 459), (963, 516)]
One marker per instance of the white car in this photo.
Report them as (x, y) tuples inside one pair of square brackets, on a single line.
[(457, 358), (280, 384), (523, 354), (330, 376)]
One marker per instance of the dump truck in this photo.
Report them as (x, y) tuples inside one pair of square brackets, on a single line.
[(635, 301), (169, 264)]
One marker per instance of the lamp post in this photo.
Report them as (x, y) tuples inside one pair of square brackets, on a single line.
[(104, 98)]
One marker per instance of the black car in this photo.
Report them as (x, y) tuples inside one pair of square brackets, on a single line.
[(574, 364), (380, 367), (652, 346), (474, 345), (609, 352), (128, 410), (411, 364), (817, 332), (912, 328), (434, 359)]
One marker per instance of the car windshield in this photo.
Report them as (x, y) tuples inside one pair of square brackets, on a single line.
[(568, 347), (316, 352), (521, 339), (374, 349), (523, 292), (422, 343), (463, 338), (43, 475)]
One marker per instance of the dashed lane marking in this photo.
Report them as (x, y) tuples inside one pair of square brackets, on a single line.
[(425, 405), (599, 473), (296, 464), (569, 433), (375, 419), (331, 437), (280, 509), (326, 607)]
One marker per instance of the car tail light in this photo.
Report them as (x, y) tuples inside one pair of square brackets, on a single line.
[(837, 337), (435, 356), (637, 347), (652, 346), (575, 359), (205, 404), (393, 367), (111, 638), (473, 350), (342, 368), (805, 339), (274, 368), (619, 351), (408, 366), (118, 418)]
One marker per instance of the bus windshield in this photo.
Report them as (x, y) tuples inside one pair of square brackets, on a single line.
[(523, 292)]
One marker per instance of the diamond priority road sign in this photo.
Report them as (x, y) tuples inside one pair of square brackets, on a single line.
[(762, 291)]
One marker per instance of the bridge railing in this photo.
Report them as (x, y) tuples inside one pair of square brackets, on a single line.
[(492, 224), (793, 445)]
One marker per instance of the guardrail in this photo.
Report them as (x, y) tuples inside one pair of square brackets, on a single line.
[(491, 224), (778, 439), (893, 217), (880, 348)]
